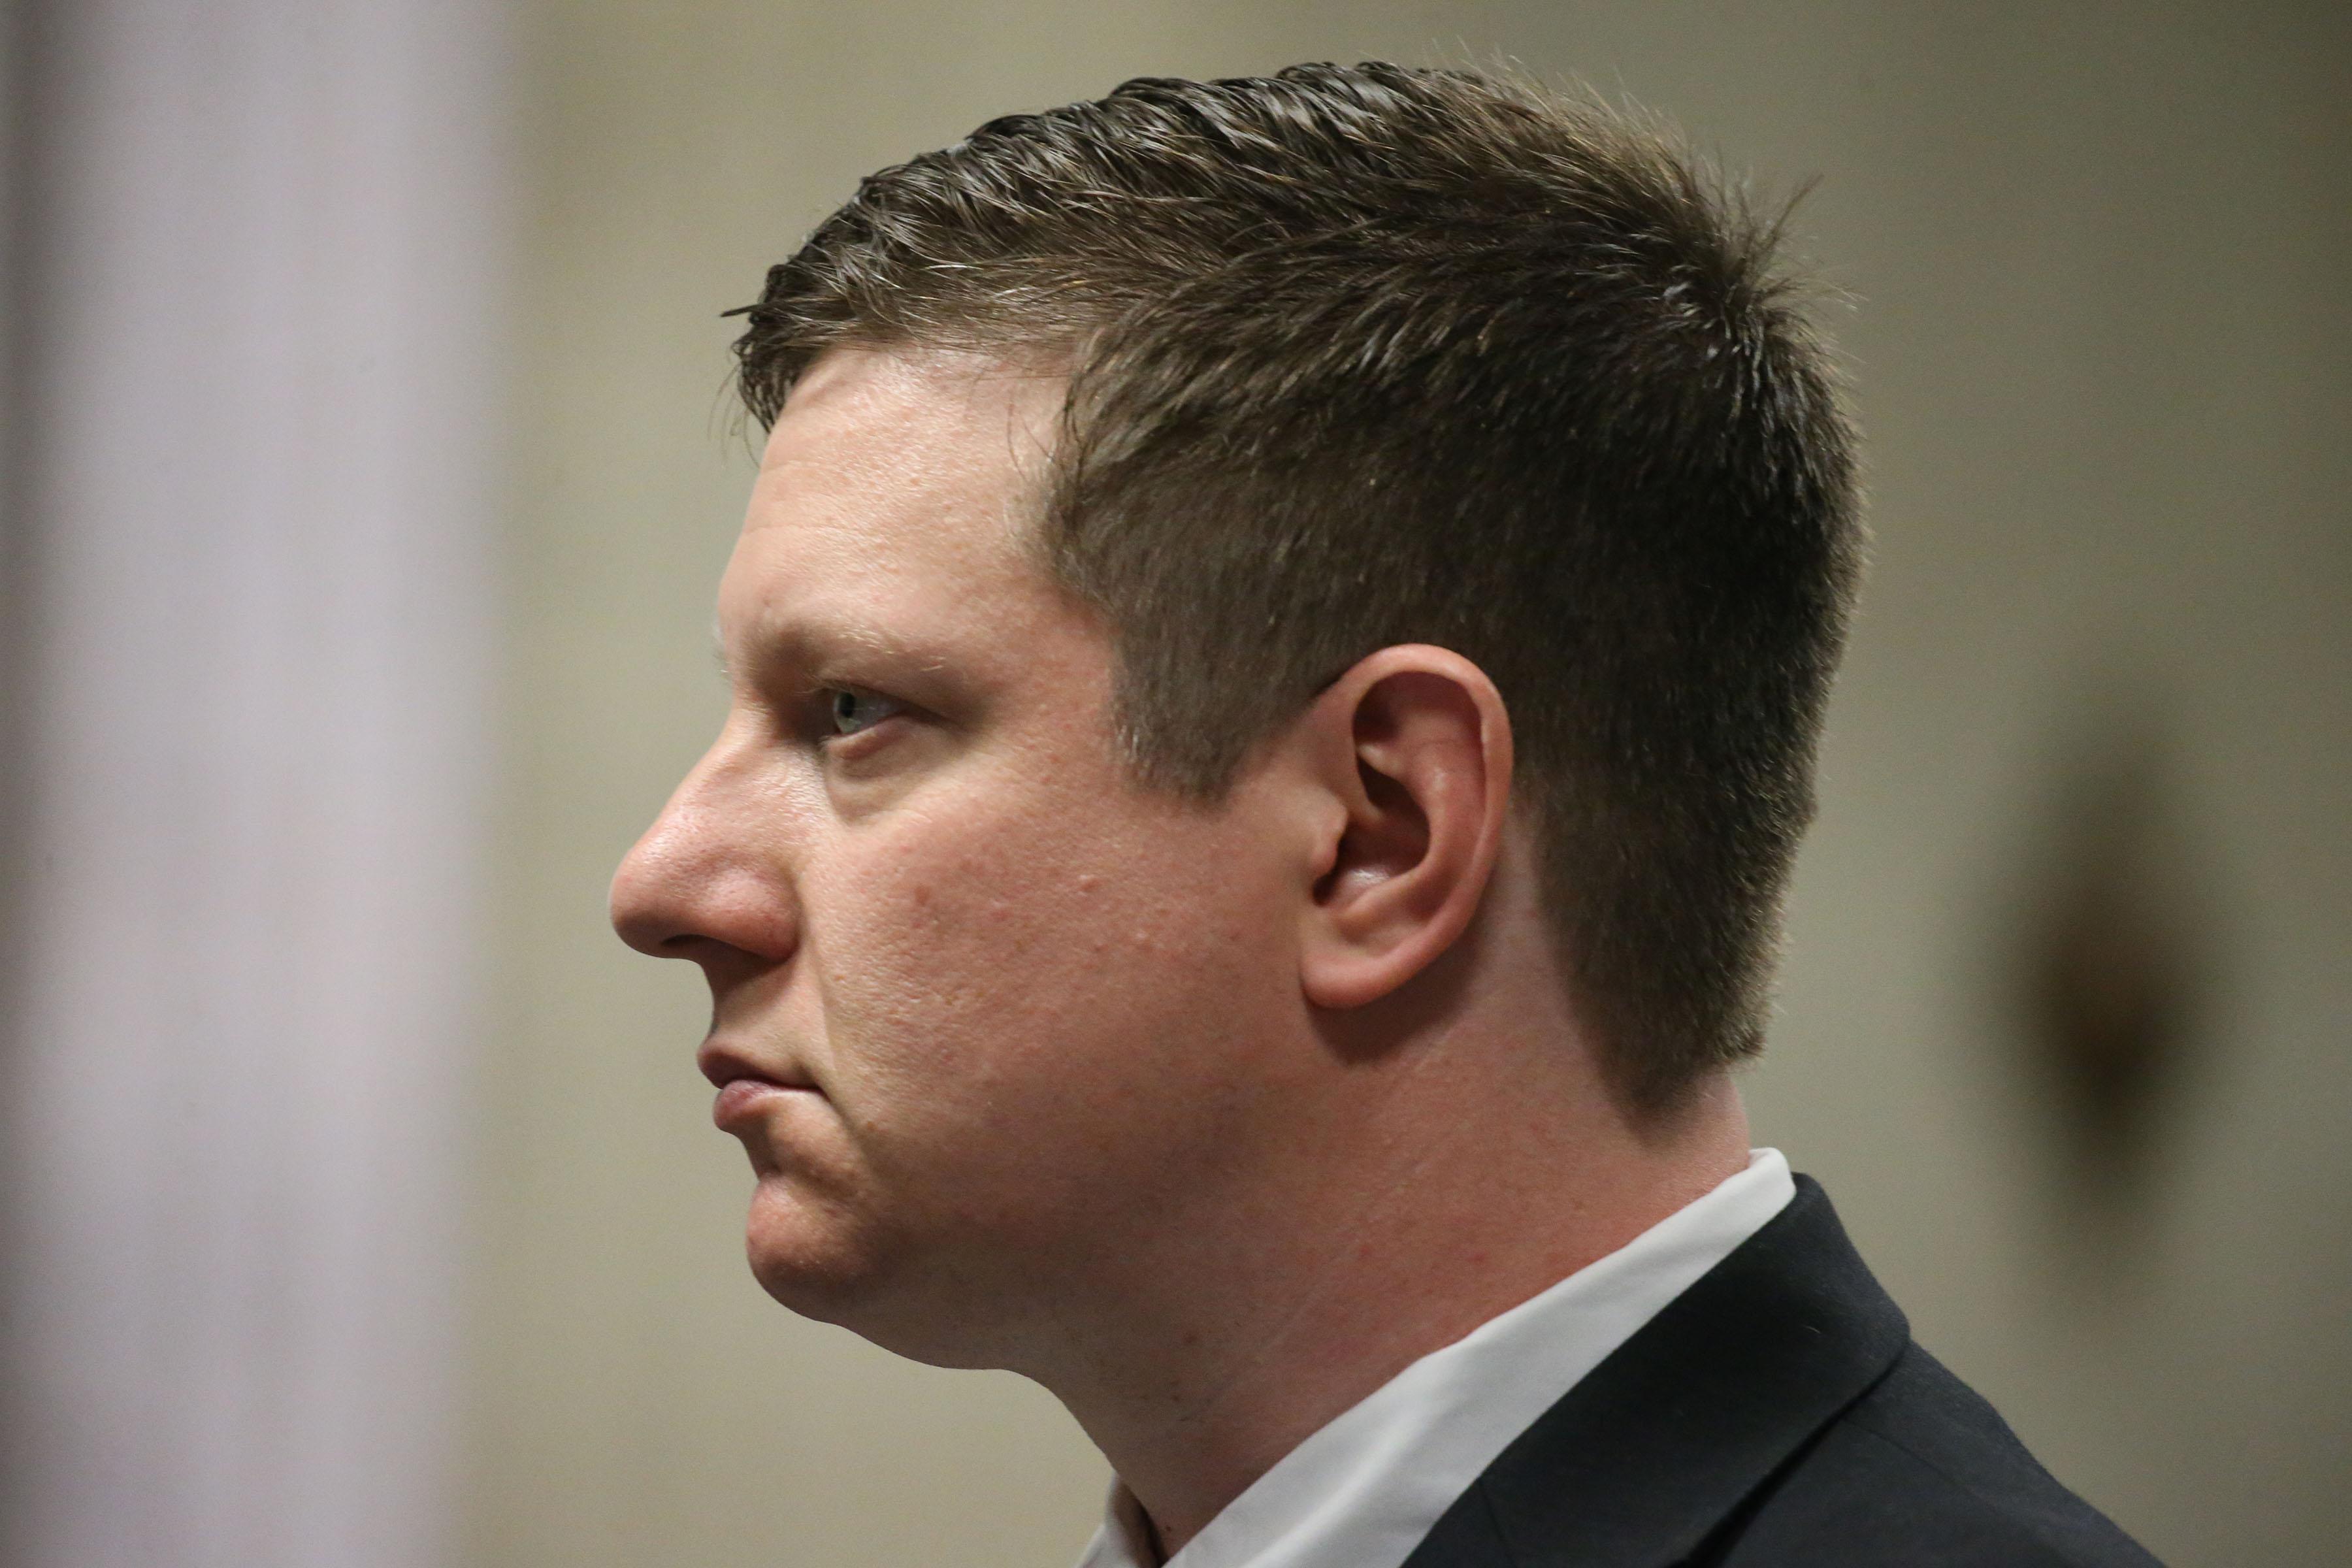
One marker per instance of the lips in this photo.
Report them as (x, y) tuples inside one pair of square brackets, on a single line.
[(746, 1090)]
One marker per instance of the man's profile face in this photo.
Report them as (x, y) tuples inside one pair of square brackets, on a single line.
[(984, 1005)]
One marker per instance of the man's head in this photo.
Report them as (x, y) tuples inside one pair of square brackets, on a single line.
[(1245, 576), (1370, 356), (977, 993)]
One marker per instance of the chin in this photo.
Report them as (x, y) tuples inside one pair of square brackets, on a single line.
[(830, 1272), (913, 1324), (809, 1255)]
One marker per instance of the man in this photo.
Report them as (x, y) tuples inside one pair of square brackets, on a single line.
[(1277, 649)]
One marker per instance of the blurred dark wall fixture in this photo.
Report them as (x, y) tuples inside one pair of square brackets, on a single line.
[(2112, 963)]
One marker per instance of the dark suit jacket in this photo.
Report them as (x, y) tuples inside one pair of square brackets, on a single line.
[(1777, 1413)]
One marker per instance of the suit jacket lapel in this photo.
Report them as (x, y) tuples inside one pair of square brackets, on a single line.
[(1648, 1454)]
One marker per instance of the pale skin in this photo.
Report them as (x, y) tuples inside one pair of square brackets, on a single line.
[(1208, 1119)]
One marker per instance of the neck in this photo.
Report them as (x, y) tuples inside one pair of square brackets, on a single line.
[(1475, 1180)]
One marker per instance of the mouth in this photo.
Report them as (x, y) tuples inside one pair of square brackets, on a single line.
[(747, 1089)]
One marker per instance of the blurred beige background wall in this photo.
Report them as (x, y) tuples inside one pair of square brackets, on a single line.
[(2098, 259)]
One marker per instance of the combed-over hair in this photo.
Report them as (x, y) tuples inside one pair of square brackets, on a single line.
[(1372, 355)]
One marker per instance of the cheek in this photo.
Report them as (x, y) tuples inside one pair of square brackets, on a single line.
[(1012, 1003)]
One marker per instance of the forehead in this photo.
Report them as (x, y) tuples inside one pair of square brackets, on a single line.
[(891, 475)]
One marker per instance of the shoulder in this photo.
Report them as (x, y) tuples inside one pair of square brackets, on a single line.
[(1776, 1414), (1920, 1470)]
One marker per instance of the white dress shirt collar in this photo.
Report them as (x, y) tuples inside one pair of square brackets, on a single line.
[(1363, 1491)]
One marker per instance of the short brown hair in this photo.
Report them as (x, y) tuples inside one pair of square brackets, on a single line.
[(1375, 354)]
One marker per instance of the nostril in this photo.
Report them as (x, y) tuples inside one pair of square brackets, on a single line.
[(654, 939)]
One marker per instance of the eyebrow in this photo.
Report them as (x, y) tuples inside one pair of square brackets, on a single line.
[(811, 643)]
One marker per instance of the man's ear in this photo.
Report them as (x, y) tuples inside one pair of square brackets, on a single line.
[(1413, 746)]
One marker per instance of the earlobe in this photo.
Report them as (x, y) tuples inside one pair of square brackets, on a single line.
[(1414, 744)]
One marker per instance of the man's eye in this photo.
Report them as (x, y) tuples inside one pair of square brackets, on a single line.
[(852, 711)]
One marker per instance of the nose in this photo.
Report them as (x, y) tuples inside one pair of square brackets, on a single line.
[(710, 881)]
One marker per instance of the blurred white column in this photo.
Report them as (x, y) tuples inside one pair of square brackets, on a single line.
[(263, 300)]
